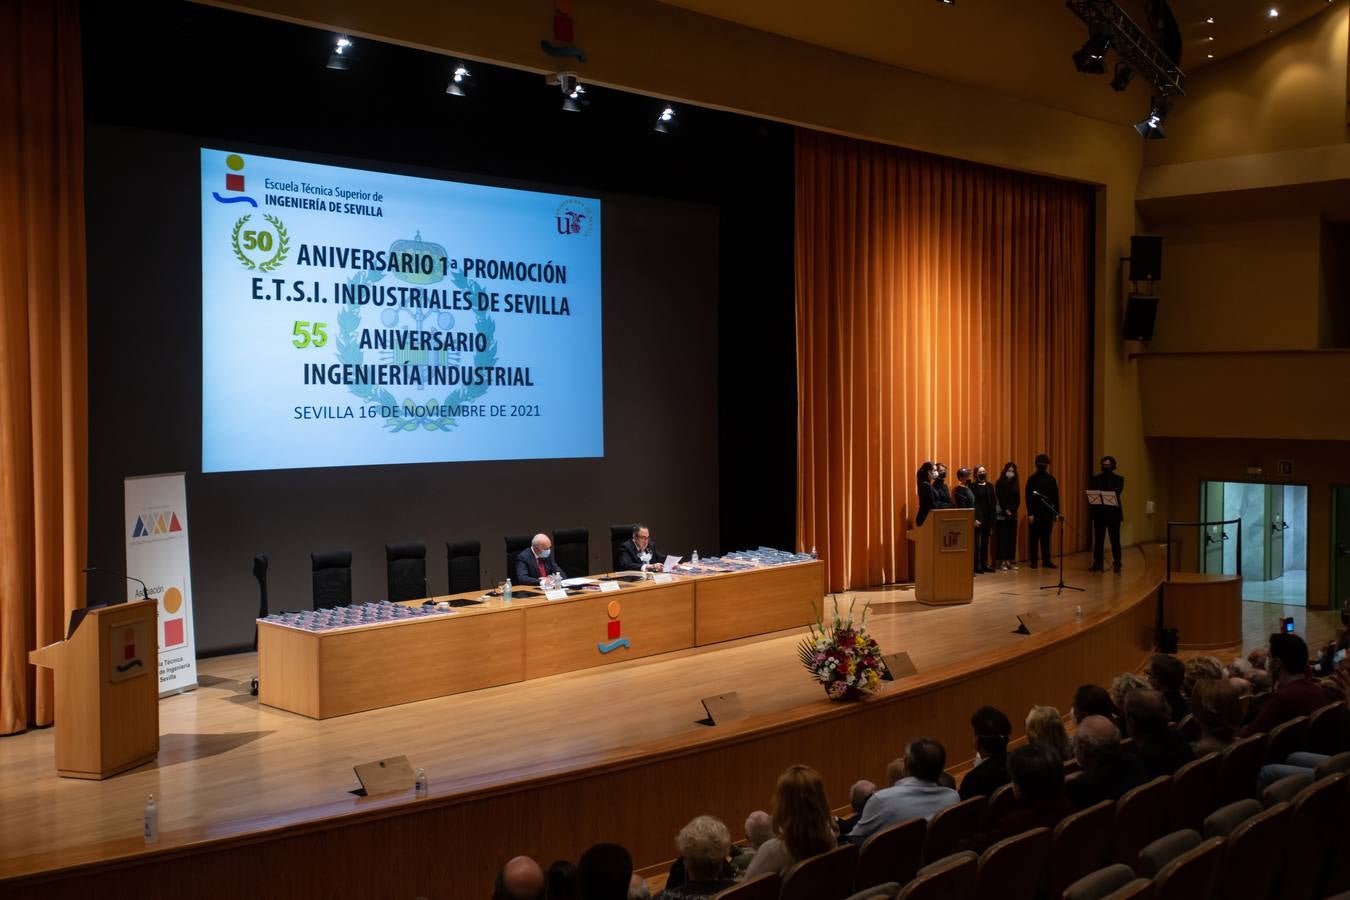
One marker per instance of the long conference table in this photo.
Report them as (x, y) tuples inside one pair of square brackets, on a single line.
[(338, 671)]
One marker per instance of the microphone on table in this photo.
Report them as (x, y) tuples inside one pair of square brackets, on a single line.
[(95, 570)]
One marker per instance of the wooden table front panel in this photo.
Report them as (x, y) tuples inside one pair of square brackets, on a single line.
[(741, 604), (566, 635)]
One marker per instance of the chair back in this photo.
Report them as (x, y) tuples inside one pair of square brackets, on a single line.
[(572, 550), (617, 535), (1324, 729), (761, 887), (1158, 854), (1139, 889), (1141, 818), (332, 576), (1285, 738), (1238, 765), (1011, 869), (1223, 820), (1079, 846), (406, 569), (1193, 792), (892, 854), (1286, 789), (515, 543), (1099, 884), (260, 573), (1191, 874), (462, 564), (950, 878), (1189, 727), (1000, 802), (887, 891), (1250, 853), (1313, 825), (825, 876), (1338, 763), (951, 825)]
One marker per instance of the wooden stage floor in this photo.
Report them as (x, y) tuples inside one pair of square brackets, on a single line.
[(229, 766)]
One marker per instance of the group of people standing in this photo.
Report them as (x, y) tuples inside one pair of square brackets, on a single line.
[(997, 506)]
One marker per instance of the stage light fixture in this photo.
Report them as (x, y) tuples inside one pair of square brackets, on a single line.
[(572, 90), (665, 122), (337, 60), (1274, 13), (1151, 128), (1090, 59), (1124, 75), (459, 79)]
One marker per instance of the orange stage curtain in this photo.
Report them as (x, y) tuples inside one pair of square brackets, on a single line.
[(943, 312), (43, 415)]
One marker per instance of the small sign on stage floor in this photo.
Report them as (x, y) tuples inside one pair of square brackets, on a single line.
[(722, 708), (385, 776), (1028, 623), (898, 665), (607, 586)]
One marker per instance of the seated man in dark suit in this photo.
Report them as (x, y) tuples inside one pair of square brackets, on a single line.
[(1038, 785), (1161, 748), (992, 730), (1108, 771), (630, 559), (536, 561)]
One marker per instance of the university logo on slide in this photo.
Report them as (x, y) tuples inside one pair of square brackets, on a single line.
[(155, 522), (234, 182), (574, 217)]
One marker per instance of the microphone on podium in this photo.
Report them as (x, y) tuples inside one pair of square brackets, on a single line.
[(95, 570)]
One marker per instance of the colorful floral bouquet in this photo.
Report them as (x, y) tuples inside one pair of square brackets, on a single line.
[(842, 656)]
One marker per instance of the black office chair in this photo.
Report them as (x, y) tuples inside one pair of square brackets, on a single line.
[(406, 565), (461, 561), (260, 573), (515, 544), (618, 534), (332, 578), (572, 550)]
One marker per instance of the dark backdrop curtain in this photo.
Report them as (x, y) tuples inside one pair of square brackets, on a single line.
[(944, 313), (43, 453)]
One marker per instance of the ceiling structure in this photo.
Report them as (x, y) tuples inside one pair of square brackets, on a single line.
[(1022, 48)]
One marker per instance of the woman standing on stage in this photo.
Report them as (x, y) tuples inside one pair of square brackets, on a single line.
[(927, 494), (1009, 495)]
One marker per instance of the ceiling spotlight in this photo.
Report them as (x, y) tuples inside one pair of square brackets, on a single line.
[(572, 90), (1209, 21), (1090, 59), (947, 2), (337, 60), (665, 122), (1274, 13), (572, 101), (459, 79), (1151, 128), (1209, 55), (1124, 74)]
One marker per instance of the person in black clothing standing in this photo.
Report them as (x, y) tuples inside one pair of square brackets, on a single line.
[(1008, 494), (942, 498), (1106, 519), (965, 499), (927, 496), (1042, 506), (986, 509)]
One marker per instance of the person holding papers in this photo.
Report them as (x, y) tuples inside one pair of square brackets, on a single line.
[(1106, 516), (632, 551), (536, 561)]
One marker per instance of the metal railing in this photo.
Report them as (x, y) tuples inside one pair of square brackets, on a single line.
[(1208, 538)]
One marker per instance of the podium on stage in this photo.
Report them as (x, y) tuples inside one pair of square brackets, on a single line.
[(107, 690), (944, 557)]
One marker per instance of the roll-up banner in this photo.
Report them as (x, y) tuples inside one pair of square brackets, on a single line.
[(157, 553)]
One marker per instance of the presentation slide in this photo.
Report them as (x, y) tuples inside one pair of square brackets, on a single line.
[(354, 318)]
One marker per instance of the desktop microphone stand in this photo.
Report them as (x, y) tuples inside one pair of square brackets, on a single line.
[(1061, 587)]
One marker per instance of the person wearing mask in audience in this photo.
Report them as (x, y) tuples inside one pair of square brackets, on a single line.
[(1045, 728), (927, 496), (1161, 748), (1217, 707), (638, 888), (604, 872), (1108, 771), (1042, 508), (1295, 693), (992, 730), (916, 794), (631, 550), (802, 824), (941, 495), (858, 795), (986, 514), (703, 845), (520, 879), (1166, 675), (1008, 495), (536, 561), (1106, 519), (1038, 790)]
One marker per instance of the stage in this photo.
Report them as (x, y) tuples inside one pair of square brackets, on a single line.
[(550, 765)]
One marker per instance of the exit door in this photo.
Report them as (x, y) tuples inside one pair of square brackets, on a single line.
[(1340, 547), (1212, 511), (1275, 531)]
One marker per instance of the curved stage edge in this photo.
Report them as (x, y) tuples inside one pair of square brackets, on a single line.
[(450, 845)]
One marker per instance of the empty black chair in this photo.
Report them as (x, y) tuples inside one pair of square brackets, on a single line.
[(461, 561), (260, 573), (572, 550), (332, 578), (617, 535), (514, 544), (406, 565)]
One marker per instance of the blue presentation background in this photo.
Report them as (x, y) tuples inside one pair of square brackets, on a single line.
[(252, 375)]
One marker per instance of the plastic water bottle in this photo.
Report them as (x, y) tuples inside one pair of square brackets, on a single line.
[(506, 591), (420, 788), (151, 822), (813, 552), (693, 558), (1078, 612)]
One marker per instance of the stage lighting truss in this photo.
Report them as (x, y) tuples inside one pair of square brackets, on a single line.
[(1131, 44)]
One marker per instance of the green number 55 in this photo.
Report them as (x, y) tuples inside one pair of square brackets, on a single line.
[(310, 334)]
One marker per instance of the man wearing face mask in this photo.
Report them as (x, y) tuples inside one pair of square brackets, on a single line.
[(965, 499), (536, 561), (1106, 519), (942, 497), (986, 509), (1042, 503)]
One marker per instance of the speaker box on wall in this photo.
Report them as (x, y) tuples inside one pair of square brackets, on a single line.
[(1145, 257), (1140, 311)]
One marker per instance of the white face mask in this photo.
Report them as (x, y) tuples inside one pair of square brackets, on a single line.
[(978, 758), (543, 554), (1010, 474)]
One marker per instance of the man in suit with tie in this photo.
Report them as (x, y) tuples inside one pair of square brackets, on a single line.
[(536, 561), (630, 552), (1106, 519)]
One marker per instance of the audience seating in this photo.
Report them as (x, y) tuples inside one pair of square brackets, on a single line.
[(1139, 889), (952, 878), (1155, 857), (1191, 874), (406, 570), (618, 534), (1000, 801), (1193, 792), (1189, 727), (1102, 883), (1286, 789), (1338, 763), (892, 854), (1223, 820), (826, 876), (1239, 764), (947, 828), (889, 890), (1248, 870), (1285, 738), (572, 550), (1324, 729), (762, 887), (1312, 827), (1011, 869), (463, 566), (332, 578), (1079, 846), (1141, 816)]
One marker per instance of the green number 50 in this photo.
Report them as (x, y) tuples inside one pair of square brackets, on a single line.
[(310, 335)]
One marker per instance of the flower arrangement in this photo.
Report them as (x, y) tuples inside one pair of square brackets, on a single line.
[(842, 655)]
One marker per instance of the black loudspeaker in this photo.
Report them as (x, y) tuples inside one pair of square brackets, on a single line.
[(1145, 257), (1140, 311)]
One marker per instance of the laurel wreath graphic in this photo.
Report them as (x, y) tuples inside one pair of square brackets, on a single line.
[(283, 244)]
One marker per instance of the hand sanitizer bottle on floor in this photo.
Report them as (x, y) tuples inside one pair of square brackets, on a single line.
[(421, 787), (151, 822)]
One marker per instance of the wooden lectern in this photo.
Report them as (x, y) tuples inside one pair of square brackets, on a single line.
[(944, 557), (107, 691)]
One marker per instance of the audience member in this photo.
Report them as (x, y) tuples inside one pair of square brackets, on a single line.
[(992, 730), (703, 844), (1092, 700), (1121, 687), (1038, 786), (1239, 668), (1108, 771), (1257, 659), (561, 880), (520, 879), (1295, 693), (1199, 668), (1160, 747), (603, 873), (915, 795), (1166, 675), (638, 888), (1045, 728), (858, 795), (1217, 707), (758, 829), (802, 824)]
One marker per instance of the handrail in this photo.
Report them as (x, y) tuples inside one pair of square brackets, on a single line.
[(1171, 525)]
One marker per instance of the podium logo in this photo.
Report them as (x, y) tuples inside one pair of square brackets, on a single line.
[(574, 217), (615, 629), (150, 524)]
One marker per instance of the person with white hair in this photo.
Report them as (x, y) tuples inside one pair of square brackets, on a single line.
[(536, 562), (703, 844), (638, 889)]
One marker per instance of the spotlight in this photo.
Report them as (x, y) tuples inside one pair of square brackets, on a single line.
[(1274, 13), (1124, 74), (1090, 59), (665, 123), (572, 90), (459, 79), (1151, 128), (337, 60), (572, 101)]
